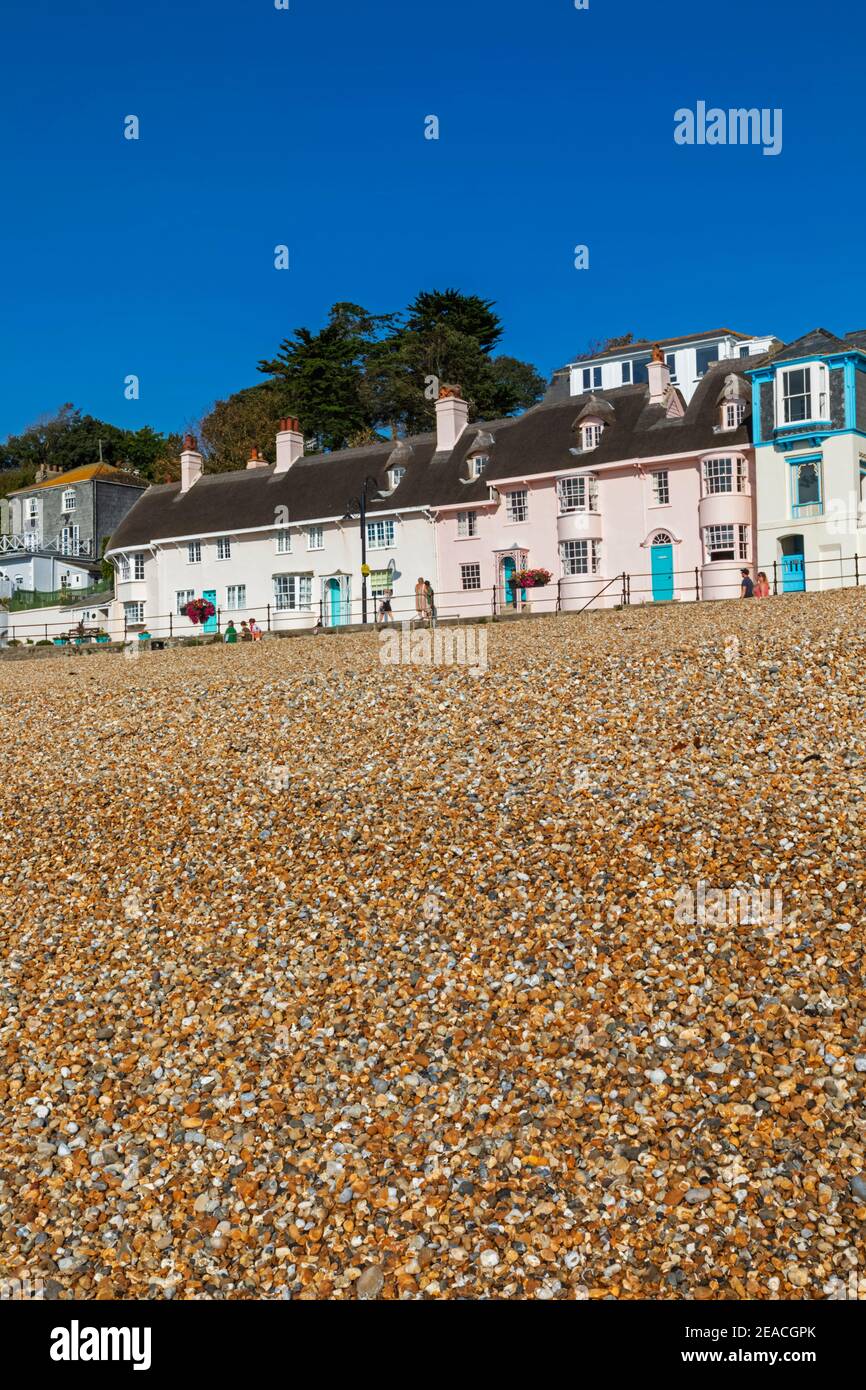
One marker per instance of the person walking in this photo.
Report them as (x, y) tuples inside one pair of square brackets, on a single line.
[(747, 584), (762, 586), (421, 599)]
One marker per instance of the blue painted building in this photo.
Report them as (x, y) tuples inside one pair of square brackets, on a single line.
[(809, 423)]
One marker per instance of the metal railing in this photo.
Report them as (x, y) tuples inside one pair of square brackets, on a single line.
[(569, 594)]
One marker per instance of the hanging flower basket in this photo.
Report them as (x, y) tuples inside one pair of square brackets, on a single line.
[(198, 610), (531, 579)]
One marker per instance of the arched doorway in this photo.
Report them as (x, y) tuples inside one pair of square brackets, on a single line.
[(662, 567), (793, 564), (335, 602), (511, 596)]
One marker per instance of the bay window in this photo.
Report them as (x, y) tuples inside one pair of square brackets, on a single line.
[(580, 557)]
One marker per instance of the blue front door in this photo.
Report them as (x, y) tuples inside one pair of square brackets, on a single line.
[(793, 574), (211, 623), (662, 564)]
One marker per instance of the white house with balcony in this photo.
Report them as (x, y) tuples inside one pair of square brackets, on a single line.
[(57, 526), (688, 359), (809, 407)]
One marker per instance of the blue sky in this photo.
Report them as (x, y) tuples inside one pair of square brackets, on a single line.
[(306, 127)]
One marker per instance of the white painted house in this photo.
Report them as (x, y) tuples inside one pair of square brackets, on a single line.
[(282, 542), (688, 359)]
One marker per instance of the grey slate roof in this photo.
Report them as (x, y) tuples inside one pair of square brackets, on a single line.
[(538, 442), (816, 343)]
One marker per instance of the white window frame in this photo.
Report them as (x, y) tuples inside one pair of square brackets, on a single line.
[(590, 435), (32, 508), (70, 540), (734, 413), (283, 543), (138, 565), (136, 606), (580, 557), (721, 532), (467, 525), (591, 379), (381, 534), (315, 537), (236, 597), (660, 483), (743, 541), (224, 548), (396, 476), (193, 552), (469, 573), (816, 393), (719, 476), (123, 568), (477, 464), (181, 598), (68, 501), (517, 506), (293, 593)]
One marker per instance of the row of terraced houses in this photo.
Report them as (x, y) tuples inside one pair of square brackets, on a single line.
[(649, 473)]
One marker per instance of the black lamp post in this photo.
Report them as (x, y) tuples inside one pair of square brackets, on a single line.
[(359, 505)]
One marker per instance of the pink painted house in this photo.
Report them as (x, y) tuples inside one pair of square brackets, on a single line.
[(627, 493)]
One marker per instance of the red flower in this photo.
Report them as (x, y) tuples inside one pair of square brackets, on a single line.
[(198, 610)]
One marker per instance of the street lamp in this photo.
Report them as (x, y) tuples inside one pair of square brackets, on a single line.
[(359, 505)]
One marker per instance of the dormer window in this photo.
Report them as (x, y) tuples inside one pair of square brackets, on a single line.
[(395, 476), (590, 435), (69, 500), (801, 394), (591, 379), (477, 464), (733, 414)]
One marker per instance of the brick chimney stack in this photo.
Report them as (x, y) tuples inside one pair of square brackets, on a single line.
[(452, 417), (191, 463), (290, 445)]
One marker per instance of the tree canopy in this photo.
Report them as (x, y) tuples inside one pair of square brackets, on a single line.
[(359, 378)]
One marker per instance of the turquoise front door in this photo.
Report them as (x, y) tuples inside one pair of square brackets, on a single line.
[(507, 571), (793, 574), (211, 623), (662, 565), (334, 605)]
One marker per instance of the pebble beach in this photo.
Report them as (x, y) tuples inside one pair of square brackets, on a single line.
[(324, 977)]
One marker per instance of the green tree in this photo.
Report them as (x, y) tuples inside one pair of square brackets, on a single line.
[(466, 315), (323, 374), (246, 420)]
